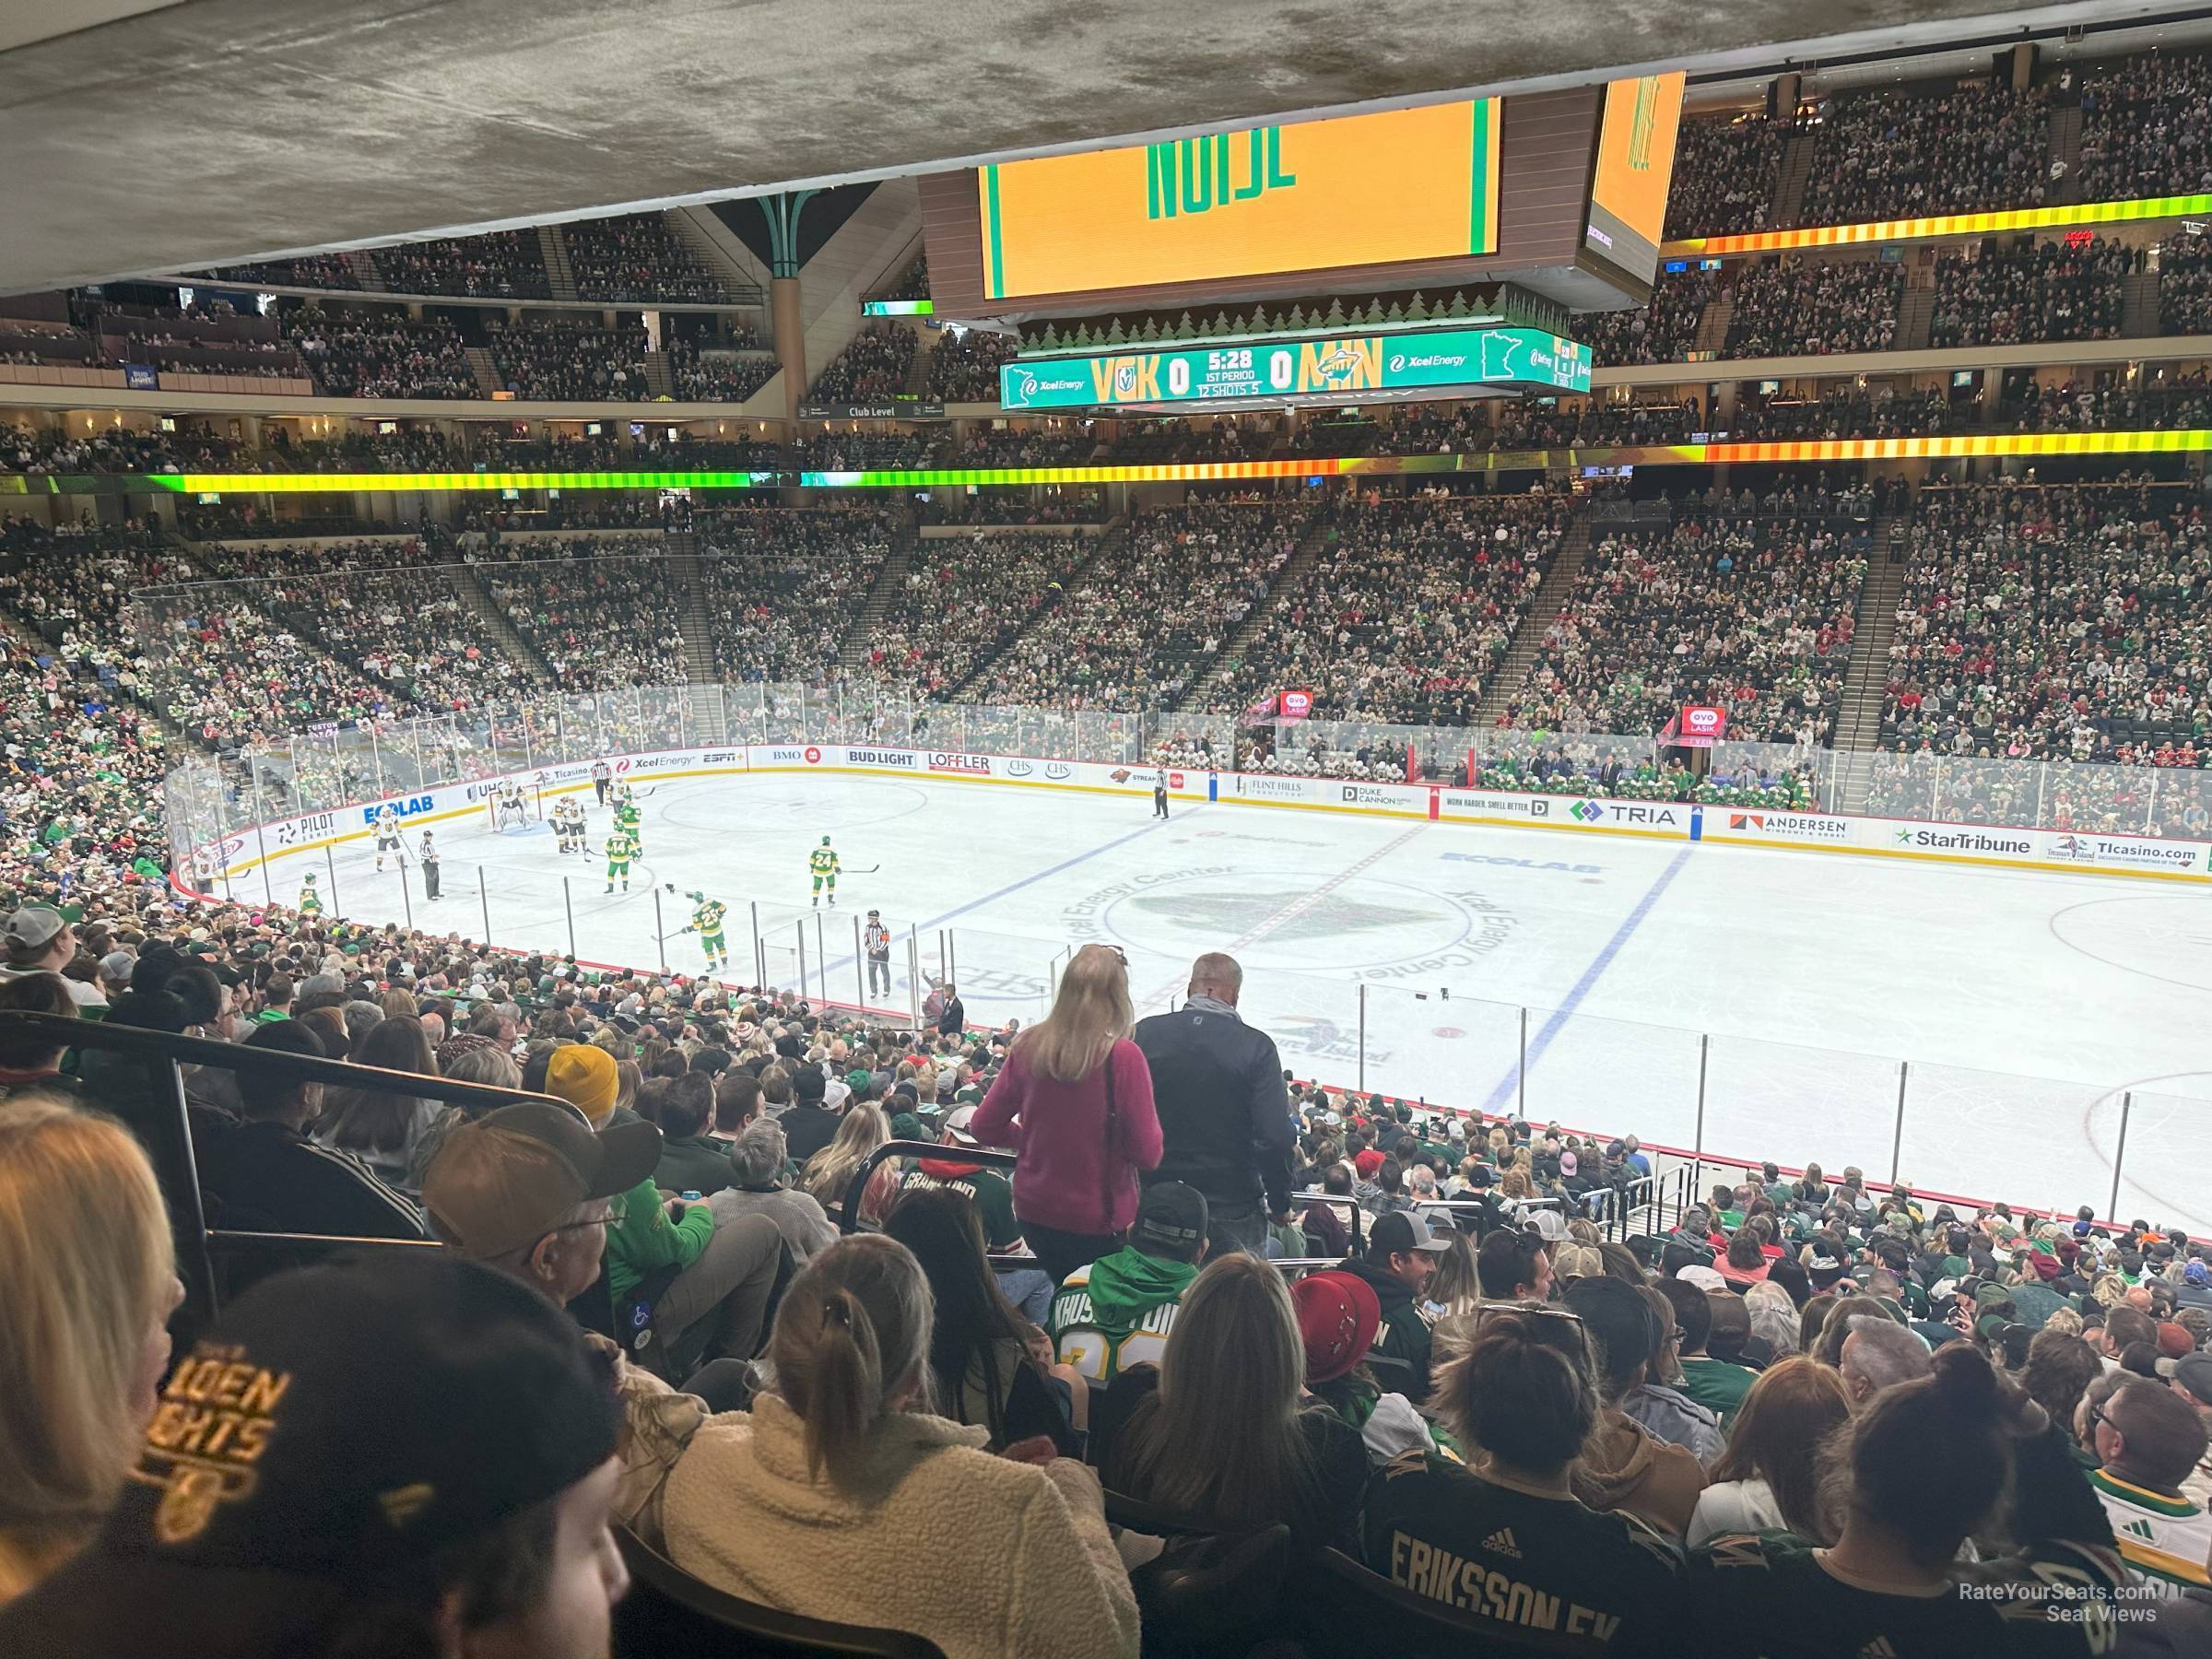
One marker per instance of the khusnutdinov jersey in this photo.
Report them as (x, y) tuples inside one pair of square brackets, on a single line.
[(1529, 1570)]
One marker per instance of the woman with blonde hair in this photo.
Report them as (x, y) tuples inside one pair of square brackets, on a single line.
[(799, 1502), (1075, 1102), (86, 1254), (828, 1172), (1226, 1434)]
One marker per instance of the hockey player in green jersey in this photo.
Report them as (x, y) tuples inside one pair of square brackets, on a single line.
[(706, 922), (627, 820), (823, 863), (311, 902), (620, 850)]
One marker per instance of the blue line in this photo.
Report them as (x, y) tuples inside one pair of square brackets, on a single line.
[(1015, 886), (1582, 986)]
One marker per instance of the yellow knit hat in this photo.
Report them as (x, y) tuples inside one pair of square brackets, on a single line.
[(584, 1076)]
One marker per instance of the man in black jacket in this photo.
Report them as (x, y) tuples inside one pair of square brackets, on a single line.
[(1223, 1116)]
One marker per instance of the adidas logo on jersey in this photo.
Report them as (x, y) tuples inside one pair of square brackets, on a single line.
[(1502, 1543), (2141, 1529), (1878, 1647)]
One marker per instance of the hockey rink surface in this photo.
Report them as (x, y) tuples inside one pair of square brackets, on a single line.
[(2026, 1003)]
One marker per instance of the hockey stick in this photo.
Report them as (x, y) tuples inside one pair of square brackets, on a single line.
[(869, 871)]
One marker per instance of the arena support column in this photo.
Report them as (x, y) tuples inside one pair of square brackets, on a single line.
[(785, 320)]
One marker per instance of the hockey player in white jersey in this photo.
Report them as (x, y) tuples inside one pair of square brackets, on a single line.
[(387, 836)]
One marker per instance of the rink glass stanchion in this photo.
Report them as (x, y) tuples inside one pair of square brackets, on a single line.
[(330, 866), (567, 905), (2127, 1107), (660, 930), (484, 900)]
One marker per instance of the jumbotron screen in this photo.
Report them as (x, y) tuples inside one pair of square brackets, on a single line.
[(1358, 190)]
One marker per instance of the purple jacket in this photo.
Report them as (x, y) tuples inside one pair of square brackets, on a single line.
[(1066, 1175)]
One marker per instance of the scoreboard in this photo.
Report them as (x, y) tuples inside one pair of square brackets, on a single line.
[(1360, 190), (1329, 370)]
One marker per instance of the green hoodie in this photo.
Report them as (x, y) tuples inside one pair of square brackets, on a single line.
[(1117, 1312)]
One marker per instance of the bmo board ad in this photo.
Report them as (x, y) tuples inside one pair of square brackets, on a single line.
[(1358, 190)]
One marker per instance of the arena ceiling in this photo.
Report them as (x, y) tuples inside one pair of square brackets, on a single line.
[(134, 141)]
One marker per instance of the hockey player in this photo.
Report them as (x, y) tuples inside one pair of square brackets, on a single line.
[(618, 854), (603, 778), (568, 824), (823, 863), (387, 836), (876, 944), (706, 922), (628, 820), (1160, 792), (311, 902)]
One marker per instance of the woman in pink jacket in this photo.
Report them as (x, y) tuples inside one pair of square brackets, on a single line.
[(1075, 1102)]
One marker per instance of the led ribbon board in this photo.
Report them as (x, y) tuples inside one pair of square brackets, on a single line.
[(1343, 366), (2080, 213), (1829, 450), (1355, 190)]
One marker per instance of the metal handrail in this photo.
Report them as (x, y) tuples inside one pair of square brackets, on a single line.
[(165, 1127)]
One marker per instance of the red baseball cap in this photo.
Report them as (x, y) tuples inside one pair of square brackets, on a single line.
[(1367, 1163)]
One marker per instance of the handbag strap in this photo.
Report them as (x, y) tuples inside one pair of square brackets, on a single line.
[(1113, 1138)]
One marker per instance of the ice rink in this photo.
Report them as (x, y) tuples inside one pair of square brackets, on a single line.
[(1780, 989)]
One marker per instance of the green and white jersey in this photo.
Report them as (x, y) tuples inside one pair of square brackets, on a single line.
[(2165, 1539)]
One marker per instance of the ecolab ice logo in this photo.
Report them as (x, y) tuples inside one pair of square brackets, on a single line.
[(882, 757), (971, 766), (404, 808)]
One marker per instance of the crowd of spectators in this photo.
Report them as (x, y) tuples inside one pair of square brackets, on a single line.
[(963, 598), (1977, 145), (561, 359), (405, 627), (2030, 291), (2053, 622), (2185, 285), (1407, 610), (1152, 609), (1745, 608), (964, 366), (784, 587), (1724, 175), (859, 449), (638, 257), (381, 354), (717, 374), (2145, 404), (871, 368), (914, 282), (1070, 445), (600, 616), (1848, 411), (2146, 128), (1793, 308), (501, 265), (1798, 1415), (1663, 331)]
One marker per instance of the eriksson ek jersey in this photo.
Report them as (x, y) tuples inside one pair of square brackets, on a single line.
[(1533, 1570)]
